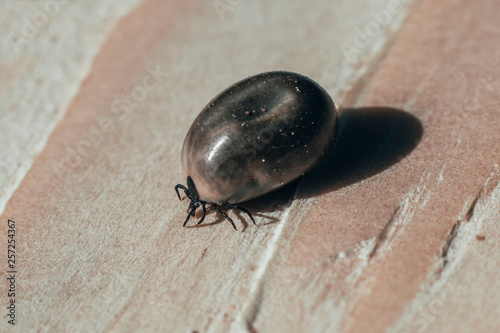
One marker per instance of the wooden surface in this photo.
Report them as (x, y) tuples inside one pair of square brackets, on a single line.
[(46, 51), (397, 231)]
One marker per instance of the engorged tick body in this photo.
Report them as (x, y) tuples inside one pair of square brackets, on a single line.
[(256, 136)]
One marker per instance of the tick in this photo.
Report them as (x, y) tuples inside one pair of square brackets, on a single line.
[(259, 134)]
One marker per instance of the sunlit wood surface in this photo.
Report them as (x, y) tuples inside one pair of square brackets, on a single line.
[(396, 231)]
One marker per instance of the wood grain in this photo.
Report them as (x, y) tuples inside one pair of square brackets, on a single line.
[(46, 50), (396, 231), (377, 254)]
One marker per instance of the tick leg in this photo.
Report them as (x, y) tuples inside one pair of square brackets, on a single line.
[(177, 187), (223, 214), (204, 212), (227, 205), (191, 212)]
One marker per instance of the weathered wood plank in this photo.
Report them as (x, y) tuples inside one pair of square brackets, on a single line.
[(46, 50), (100, 232), (379, 252)]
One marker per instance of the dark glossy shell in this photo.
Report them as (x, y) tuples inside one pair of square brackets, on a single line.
[(257, 135)]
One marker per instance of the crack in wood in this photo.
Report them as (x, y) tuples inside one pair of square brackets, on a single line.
[(382, 237), (472, 207), (253, 315), (251, 309), (447, 245), (484, 192)]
